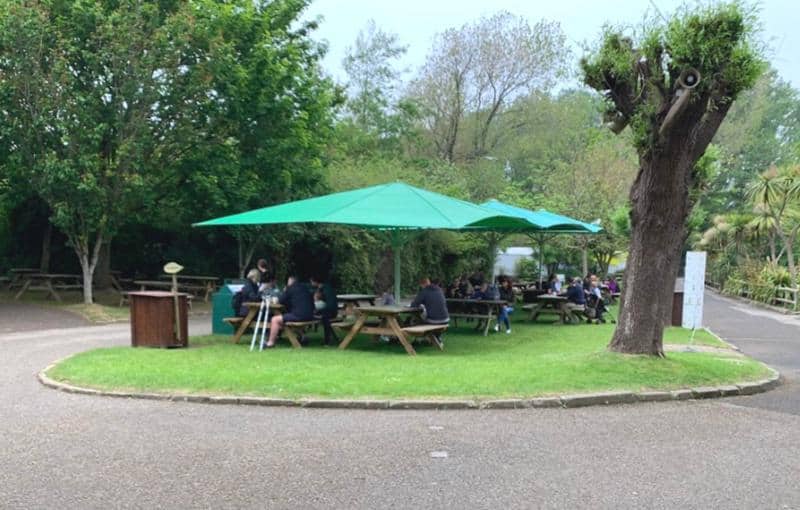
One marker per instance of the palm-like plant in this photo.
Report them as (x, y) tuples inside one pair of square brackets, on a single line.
[(776, 195)]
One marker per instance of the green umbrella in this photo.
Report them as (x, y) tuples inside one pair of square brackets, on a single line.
[(542, 222), (396, 208)]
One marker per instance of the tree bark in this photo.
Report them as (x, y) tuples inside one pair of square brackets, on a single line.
[(659, 206), (47, 236)]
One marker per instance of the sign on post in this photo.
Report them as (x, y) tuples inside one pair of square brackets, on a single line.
[(693, 289)]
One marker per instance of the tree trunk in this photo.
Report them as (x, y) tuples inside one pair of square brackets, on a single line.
[(88, 260), (584, 260), (659, 206), (44, 261), (772, 250)]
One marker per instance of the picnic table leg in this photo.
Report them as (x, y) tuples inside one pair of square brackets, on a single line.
[(434, 341), (52, 291), (398, 332), (488, 321), (535, 312), (353, 331), (251, 312), (23, 289), (290, 334)]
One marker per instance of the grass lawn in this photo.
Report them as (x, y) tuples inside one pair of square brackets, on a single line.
[(536, 359)]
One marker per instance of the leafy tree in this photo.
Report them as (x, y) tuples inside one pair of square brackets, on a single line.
[(144, 110), (674, 87), (476, 71)]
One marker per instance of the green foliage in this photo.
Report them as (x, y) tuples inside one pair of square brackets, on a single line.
[(639, 75)]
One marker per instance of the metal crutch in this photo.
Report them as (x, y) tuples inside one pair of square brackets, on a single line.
[(266, 323), (259, 317)]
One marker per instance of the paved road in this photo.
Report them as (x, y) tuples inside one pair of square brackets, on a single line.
[(773, 338), (74, 451)]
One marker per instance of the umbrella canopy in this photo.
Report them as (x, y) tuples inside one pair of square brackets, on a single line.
[(542, 222), (395, 207), (385, 207)]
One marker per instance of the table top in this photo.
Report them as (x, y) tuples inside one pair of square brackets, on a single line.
[(552, 297), (385, 310), (52, 276), (153, 283), (355, 297), (485, 301), (24, 270), (257, 304), (156, 293), (191, 277)]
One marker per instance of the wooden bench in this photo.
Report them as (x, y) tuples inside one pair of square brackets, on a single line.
[(292, 329), (429, 331)]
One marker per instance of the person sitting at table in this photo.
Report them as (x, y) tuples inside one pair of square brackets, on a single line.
[(298, 305), (432, 302), (263, 270), (576, 299), (554, 284), (611, 283), (595, 300), (250, 292), (481, 292), (507, 295), (327, 307)]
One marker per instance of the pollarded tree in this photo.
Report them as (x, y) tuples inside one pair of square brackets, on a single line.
[(673, 87)]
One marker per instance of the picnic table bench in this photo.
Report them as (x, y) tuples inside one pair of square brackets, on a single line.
[(480, 309), (49, 283), (294, 330)]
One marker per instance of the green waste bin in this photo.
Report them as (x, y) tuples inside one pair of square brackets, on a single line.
[(221, 307)]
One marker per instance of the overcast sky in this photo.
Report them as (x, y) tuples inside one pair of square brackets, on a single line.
[(416, 22)]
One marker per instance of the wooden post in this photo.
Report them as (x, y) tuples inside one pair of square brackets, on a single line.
[(173, 268)]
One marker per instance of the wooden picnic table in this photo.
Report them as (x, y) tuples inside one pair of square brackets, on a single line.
[(158, 284), (481, 309), (252, 311), (555, 304), (49, 282), (351, 301), (207, 284), (388, 325), (17, 274)]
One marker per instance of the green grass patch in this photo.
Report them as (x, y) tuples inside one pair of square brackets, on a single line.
[(536, 359)]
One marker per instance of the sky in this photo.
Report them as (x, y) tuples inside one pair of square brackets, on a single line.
[(417, 21)]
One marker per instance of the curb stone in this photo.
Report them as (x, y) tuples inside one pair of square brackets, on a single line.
[(567, 401)]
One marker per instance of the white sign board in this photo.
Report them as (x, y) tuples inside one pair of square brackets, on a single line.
[(693, 289)]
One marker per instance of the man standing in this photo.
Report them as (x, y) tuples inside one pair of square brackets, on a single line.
[(327, 311), (298, 306)]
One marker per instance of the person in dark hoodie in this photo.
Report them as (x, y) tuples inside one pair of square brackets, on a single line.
[(298, 306), (431, 299)]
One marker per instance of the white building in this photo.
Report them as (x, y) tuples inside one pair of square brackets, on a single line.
[(506, 261)]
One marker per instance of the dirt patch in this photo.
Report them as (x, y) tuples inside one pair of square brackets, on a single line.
[(28, 317)]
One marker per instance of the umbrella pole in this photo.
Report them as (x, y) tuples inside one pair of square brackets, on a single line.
[(541, 259), (396, 260)]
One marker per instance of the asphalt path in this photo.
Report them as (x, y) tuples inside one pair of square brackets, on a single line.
[(60, 450)]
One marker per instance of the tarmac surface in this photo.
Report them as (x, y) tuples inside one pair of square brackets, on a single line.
[(62, 450)]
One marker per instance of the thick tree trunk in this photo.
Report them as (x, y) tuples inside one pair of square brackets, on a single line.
[(659, 206), (47, 236)]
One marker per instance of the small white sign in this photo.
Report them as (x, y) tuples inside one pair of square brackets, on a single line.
[(694, 286)]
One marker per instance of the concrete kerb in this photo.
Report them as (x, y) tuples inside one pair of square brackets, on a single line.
[(564, 401)]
